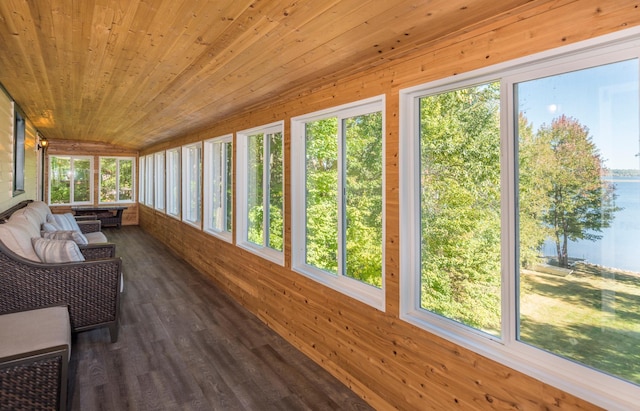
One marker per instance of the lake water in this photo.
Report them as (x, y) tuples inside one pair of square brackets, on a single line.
[(620, 243)]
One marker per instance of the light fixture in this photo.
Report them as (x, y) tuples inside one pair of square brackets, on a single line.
[(43, 143)]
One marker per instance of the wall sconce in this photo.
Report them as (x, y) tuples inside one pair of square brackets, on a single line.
[(43, 143)]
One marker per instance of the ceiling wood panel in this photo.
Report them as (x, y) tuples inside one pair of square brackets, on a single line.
[(137, 72)]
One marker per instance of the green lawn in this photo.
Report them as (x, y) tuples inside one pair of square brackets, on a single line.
[(591, 316)]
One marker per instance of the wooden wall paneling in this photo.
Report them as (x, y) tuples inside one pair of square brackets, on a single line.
[(385, 360)]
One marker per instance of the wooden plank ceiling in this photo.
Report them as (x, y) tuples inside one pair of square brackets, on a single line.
[(137, 72)]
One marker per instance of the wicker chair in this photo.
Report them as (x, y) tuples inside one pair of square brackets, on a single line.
[(90, 289), (35, 347)]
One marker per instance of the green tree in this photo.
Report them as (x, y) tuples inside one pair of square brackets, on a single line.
[(361, 183), (460, 205), (581, 202), (534, 155)]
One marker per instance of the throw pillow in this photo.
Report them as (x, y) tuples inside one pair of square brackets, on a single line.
[(71, 220), (48, 227), (56, 251), (72, 235), (60, 221)]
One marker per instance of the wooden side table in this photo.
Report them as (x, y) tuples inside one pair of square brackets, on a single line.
[(109, 216)]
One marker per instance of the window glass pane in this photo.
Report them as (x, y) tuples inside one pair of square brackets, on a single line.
[(321, 141), (60, 180), (363, 200), (221, 200), (141, 181), (276, 192), (579, 206), (108, 179), (82, 180), (217, 189), (149, 180), (125, 186), (159, 180), (193, 200), (460, 206), (173, 182), (255, 164)]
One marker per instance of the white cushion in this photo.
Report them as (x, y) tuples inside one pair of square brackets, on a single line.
[(17, 238), (56, 251), (22, 218), (49, 228), (60, 221), (72, 235), (72, 221), (27, 331), (41, 208), (63, 222), (96, 237)]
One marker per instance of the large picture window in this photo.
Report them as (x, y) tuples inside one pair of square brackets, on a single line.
[(116, 179), (192, 184), (70, 180), (520, 191), (260, 191), (218, 178), (338, 198)]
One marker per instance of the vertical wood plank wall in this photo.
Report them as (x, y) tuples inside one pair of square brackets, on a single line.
[(385, 360)]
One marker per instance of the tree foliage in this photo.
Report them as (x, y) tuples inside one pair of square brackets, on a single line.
[(265, 150), (580, 202), (460, 205), (360, 176)]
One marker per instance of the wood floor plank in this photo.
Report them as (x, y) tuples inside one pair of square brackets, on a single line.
[(185, 345)]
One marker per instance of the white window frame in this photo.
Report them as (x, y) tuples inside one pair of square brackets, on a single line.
[(365, 293), (173, 179), (142, 199), (149, 180), (133, 174), (187, 192), (242, 147), (215, 158), (159, 184), (71, 188), (592, 385)]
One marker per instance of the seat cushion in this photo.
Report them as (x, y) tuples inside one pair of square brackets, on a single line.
[(96, 237), (27, 331)]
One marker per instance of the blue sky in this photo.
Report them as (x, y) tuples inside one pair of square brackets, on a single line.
[(604, 98)]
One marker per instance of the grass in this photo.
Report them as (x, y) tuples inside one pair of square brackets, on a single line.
[(591, 316)]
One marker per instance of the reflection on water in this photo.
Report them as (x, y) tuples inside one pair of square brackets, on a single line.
[(619, 245)]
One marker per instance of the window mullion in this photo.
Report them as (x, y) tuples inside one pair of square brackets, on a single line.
[(508, 204)]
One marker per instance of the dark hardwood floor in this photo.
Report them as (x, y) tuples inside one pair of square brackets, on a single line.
[(185, 345)]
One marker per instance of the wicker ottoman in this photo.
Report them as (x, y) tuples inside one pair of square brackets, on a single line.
[(35, 347)]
